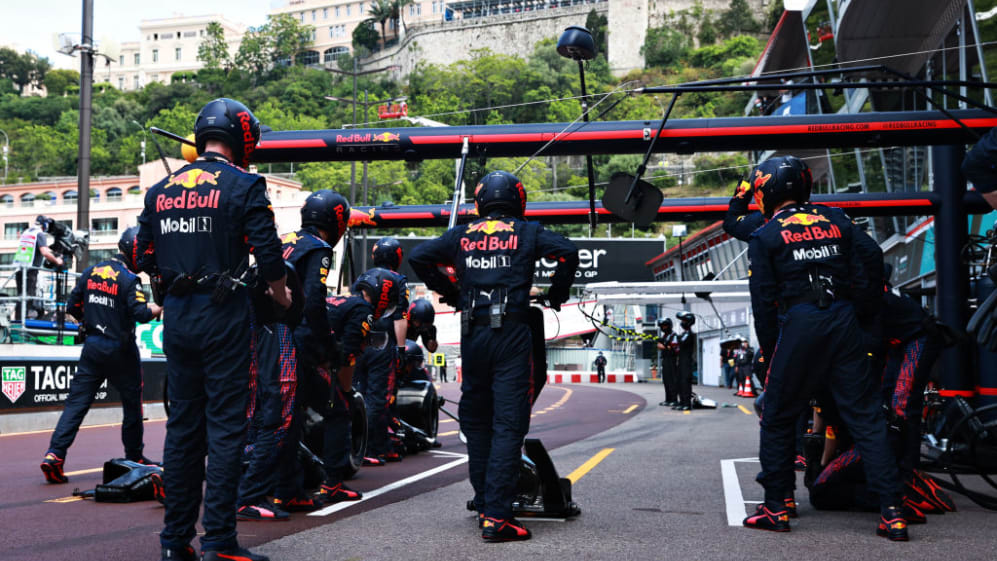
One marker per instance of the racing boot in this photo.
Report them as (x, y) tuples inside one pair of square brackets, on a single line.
[(790, 503), (801, 463), (373, 462), (265, 510), (481, 521), (912, 514), (928, 487), (338, 493), (390, 457), (765, 519), (892, 525), (186, 553), (236, 554), (921, 496), (503, 530), (300, 504), (52, 468)]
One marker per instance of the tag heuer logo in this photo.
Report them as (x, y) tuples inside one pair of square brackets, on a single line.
[(14, 378)]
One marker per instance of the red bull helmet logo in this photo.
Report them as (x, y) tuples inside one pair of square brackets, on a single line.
[(192, 178), (490, 227), (802, 219)]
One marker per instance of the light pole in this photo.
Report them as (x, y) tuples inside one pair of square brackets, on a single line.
[(366, 103), (6, 149), (577, 44), (355, 73), (144, 134)]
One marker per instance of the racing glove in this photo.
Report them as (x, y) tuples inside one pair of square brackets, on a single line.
[(743, 190)]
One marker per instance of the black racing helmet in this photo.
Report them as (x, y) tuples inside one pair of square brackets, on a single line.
[(686, 319), (231, 123), (778, 180), (328, 210), (665, 322), (44, 222), (422, 311), (500, 192), (387, 253), (126, 245), (381, 286), (413, 353)]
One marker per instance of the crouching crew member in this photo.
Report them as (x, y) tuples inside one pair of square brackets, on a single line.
[(108, 301), (421, 316), (493, 258), (195, 234), (806, 280)]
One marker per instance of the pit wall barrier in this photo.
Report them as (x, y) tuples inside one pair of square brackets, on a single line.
[(589, 377)]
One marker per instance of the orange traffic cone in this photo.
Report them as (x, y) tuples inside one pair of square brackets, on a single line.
[(740, 390), (749, 391)]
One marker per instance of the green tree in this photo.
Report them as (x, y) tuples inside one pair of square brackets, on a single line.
[(213, 50), (254, 55), (23, 69), (597, 24), (381, 11), (664, 46), (365, 36), (57, 81), (737, 19), (288, 37), (707, 32)]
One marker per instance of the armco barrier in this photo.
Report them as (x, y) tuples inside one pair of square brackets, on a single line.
[(587, 377)]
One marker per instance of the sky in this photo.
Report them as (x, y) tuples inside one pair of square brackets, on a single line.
[(30, 24)]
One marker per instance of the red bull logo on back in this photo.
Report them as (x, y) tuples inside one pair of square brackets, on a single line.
[(192, 178), (490, 227), (802, 219), (106, 272)]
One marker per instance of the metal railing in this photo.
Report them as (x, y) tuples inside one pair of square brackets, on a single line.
[(46, 298)]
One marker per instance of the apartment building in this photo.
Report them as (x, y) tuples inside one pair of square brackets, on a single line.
[(165, 46)]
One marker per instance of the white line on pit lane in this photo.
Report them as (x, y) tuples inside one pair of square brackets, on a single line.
[(391, 487), (732, 491)]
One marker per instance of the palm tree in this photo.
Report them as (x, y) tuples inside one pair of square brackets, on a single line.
[(381, 11), (398, 13)]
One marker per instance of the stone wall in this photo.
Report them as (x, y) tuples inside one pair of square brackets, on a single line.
[(447, 42)]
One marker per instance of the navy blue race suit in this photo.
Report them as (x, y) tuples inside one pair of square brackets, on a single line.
[(273, 383), (668, 365), (349, 320), (494, 260), (980, 164), (377, 373), (108, 301), (198, 228), (806, 280)]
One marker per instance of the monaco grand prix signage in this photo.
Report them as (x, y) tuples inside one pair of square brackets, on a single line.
[(599, 259)]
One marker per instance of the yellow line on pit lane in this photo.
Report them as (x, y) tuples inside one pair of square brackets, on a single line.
[(85, 471), (451, 433), (46, 431), (591, 463), (744, 410), (65, 500), (629, 409), (686, 412)]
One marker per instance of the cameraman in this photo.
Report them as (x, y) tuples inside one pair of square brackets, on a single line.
[(32, 249)]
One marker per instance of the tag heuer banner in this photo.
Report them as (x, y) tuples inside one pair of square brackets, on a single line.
[(40, 383), (599, 259)]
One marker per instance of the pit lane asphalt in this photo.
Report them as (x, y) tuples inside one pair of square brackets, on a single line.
[(43, 521), (658, 495)]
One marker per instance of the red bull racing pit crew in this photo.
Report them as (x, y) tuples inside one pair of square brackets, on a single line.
[(493, 258), (107, 301), (195, 235), (806, 280), (273, 382), (324, 218), (668, 349), (414, 365), (421, 316), (378, 369)]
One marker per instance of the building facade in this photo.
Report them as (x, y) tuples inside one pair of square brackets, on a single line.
[(165, 46)]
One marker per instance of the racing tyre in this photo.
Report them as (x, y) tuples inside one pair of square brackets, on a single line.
[(358, 424)]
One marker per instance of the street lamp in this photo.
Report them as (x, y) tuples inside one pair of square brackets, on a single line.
[(577, 44), (144, 134), (366, 103), (6, 148)]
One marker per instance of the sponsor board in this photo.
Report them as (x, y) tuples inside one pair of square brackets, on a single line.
[(33, 383)]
